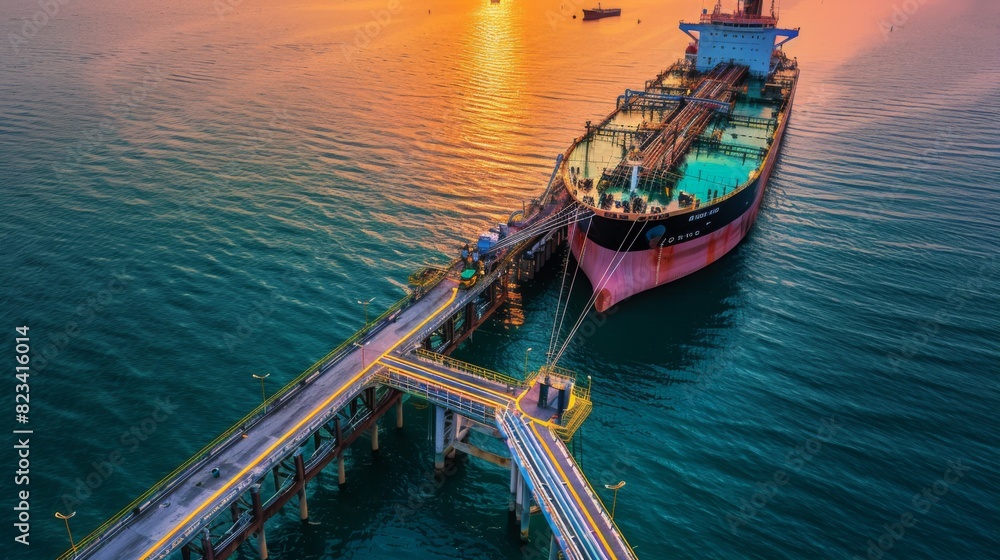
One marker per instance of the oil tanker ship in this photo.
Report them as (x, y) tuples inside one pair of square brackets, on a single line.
[(675, 174)]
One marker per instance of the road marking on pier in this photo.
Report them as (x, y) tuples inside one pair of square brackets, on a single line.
[(281, 440)]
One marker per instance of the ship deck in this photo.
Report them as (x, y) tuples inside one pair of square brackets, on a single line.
[(723, 157)]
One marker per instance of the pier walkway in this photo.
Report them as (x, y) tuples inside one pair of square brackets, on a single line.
[(213, 503), (189, 502), (391, 357)]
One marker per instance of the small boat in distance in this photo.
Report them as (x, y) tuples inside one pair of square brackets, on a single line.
[(599, 12)]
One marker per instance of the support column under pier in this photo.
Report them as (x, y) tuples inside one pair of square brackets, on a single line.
[(456, 432), (513, 486), (519, 497), (470, 317), (258, 515), (300, 476), (375, 437), (525, 509), (439, 438), (449, 331), (341, 473), (208, 550), (399, 415)]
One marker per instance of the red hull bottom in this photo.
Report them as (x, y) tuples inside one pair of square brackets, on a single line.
[(638, 271)]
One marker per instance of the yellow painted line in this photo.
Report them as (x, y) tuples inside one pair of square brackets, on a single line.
[(421, 367), (583, 507), (286, 435)]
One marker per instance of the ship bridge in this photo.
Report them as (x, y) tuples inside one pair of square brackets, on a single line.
[(745, 37)]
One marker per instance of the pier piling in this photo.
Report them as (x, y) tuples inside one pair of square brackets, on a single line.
[(208, 550), (300, 478), (258, 515), (519, 498), (513, 486), (525, 509), (439, 438)]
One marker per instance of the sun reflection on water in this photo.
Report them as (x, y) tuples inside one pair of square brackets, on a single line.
[(494, 71)]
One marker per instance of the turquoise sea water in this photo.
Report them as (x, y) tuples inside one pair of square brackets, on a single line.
[(193, 194)]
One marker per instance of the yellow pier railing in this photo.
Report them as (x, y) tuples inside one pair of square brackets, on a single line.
[(581, 406)]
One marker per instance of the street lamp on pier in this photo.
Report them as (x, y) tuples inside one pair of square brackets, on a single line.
[(65, 518), (614, 502), (263, 397), (362, 347), (365, 304)]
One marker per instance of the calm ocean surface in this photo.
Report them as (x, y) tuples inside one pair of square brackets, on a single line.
[(190, 197)]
